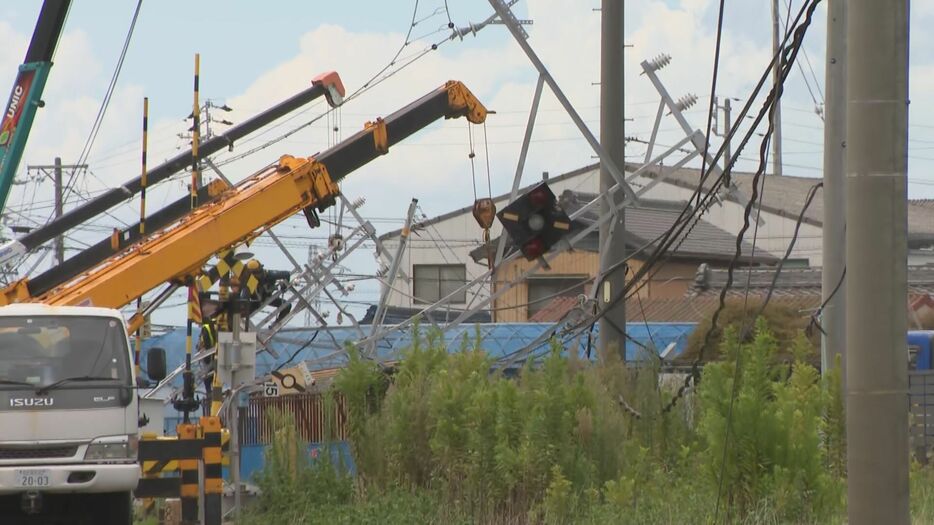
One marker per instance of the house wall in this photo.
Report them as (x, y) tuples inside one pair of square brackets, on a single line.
[(510, 307), (671, 281)]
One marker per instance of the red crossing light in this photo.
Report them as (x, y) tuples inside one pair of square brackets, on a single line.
[(539, 198), (534, 248)]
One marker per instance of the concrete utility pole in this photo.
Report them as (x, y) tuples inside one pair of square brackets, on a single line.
[(59, 209), (776, 79), (727, 108), (54, 172), (833, 253), (877, 261), (727, 129), (612, 133)]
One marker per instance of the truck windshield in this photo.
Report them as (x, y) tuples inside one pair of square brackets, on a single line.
[(41, 350)]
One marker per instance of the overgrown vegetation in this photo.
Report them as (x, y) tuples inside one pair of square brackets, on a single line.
[(784, 322), (449, 441)]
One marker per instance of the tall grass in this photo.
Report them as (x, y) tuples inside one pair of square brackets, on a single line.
[(447, 439)]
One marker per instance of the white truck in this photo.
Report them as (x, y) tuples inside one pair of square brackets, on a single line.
[(69, 416)]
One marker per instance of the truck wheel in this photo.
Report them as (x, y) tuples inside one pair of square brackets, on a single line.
[(116, 508)]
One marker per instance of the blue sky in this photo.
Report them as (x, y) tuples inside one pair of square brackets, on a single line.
[(256, 53)]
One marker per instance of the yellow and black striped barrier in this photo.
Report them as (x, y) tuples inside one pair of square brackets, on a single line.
[(205, 442), (213, 476), (188, 467), (168, 464), (161, 455)]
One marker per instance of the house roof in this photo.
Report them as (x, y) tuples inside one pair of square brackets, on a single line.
[(398, 314), (554, 310), (791, 281), (783, 196), (648, 221), (797, 288), (678, 310), (786, 195)]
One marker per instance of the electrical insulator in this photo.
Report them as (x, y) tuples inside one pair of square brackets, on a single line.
[(686, 101), (358, 203), (660, 61)]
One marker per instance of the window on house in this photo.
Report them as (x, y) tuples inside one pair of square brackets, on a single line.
[(542, 290), (435, 281)]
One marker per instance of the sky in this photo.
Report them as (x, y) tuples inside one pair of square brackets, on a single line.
[(254, 54)]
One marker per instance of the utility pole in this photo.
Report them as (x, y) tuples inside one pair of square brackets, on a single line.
[(776, 79), (877, 261), (59, 209), (727, 108), (54, 171), (612, 133), (727, 129), (833, 252)]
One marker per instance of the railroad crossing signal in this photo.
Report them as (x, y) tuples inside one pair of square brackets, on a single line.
[(535, 222)]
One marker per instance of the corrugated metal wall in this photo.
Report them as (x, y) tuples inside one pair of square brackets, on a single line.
[(311, 414)]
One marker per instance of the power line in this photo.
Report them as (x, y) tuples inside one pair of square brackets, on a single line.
[(737, 367), (694, 212), (105, 103)]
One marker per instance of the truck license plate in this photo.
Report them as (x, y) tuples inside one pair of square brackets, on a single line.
[(36, 478)]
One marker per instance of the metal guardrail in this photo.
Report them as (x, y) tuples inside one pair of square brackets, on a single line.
[(921, 412)]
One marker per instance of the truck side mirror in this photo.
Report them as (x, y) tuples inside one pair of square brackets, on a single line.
[(155, 364)]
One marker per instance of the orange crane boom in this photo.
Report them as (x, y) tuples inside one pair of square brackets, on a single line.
[(177, 252)]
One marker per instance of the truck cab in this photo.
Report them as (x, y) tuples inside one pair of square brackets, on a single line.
[(68, 416)]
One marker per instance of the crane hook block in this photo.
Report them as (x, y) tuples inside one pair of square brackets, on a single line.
[(484, 210)]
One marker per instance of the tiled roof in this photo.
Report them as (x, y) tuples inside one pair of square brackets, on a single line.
[(398, 314), (791, 281), (678, 310), (697, 309), (554, 310), (783, 196), (649, 220)]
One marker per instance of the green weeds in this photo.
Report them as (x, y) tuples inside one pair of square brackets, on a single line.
[(447, 439)]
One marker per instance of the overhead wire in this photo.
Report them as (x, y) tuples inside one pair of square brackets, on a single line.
[(734, 387), (791, 51), (690, 213), (807, 60), (392, 68), (105, 103)]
